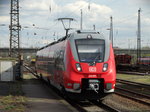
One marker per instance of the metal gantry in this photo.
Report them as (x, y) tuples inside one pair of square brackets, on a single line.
[(14, 29)]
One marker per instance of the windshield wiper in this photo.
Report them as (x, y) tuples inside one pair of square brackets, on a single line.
[(94, 61)]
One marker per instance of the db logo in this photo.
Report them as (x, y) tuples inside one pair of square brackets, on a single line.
[(92, 69)]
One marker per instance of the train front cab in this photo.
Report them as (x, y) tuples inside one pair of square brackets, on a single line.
[(90, 66)]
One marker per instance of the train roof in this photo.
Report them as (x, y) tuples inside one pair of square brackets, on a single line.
[(65, 37), (87, 31)]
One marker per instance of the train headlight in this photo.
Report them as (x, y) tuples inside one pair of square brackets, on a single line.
[(105, 67), (78, 67)]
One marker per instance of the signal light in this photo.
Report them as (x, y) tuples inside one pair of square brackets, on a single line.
[(78, 67), (105, 67), (89, 36)]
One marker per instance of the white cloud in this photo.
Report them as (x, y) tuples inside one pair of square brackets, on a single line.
[(99, 12), (34, 5), (4, 19), (38, 12), (147, 20), (45, 42), (92, 14), (94, 9)]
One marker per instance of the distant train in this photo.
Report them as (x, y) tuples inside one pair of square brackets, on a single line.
[(81, 65), (144, 61), (123, 59), (32, 62), (123, 62)]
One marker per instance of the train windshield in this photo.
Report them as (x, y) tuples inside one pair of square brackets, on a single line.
[(90, 50)]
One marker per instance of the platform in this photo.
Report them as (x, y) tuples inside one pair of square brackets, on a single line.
[(43, 99)]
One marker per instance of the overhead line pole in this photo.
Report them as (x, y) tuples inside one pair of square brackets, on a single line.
[(14, 30), (15, 36), (81, 19), (139, 38), (111, 30)]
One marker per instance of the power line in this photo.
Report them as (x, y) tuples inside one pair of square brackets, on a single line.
[(80, 7), (126, 19)]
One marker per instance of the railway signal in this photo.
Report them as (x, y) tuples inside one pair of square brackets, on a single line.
[(111, 30)]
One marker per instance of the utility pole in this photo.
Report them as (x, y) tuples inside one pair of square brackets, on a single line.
[(139, 38), (129, 46), (111, 30), (14, 30), (81, 20), (94, 27)]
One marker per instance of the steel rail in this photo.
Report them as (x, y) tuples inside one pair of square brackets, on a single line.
[(31, 70), (129, 91), (132, 98), (105, 106), (133, 83), (133, 73), (75, 104)]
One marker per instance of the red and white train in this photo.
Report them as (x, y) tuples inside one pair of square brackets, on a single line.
[(81, 65)]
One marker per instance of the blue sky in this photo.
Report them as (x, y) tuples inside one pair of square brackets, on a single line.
[(37, 12)]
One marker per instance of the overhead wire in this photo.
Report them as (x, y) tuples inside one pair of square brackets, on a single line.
[(130, 17), (54, 24), (81, 6), (72, 12)]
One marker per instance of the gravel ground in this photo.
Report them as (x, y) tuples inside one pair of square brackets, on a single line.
[(125, 105)]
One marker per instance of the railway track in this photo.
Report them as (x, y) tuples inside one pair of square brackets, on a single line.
[(133, 83), (133, 73), (92, 106), (131, 94), (141, 98), (30, 70), (84, 106), (105, 106)]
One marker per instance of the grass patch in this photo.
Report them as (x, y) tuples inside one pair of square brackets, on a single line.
[(13, 103), (135, 78), (8, 58), (143, 80), (28, 76)]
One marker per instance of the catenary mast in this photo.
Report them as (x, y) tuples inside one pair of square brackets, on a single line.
[(139, 37), (14, 30), (15, 27)]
